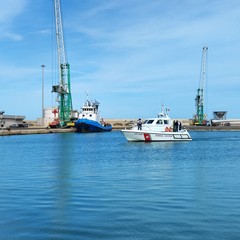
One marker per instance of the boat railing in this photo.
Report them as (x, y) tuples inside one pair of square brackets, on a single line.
[(146, 128)]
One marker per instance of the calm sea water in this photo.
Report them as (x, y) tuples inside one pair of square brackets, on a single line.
[(99, 186)]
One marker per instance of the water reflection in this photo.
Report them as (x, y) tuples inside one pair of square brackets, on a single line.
[(63, 176)]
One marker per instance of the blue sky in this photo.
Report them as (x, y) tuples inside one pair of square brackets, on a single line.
[(130, 55)]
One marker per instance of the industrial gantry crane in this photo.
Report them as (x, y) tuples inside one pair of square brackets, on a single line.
[(200, 117), (63, 89)]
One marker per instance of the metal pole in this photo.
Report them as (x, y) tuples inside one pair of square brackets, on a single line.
[(1, 113), (43, 66)]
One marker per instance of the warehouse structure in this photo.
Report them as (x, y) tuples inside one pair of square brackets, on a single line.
[(11, 120)]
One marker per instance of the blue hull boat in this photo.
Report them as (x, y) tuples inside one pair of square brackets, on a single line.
[(87, 126), (89, 119)]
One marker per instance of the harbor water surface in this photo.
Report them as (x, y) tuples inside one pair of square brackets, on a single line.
[(99, 186)]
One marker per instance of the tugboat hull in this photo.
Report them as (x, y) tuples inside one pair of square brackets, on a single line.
[(87, 126)]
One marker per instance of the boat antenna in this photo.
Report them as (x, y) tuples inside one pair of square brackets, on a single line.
[(163, 108), (86, 92)]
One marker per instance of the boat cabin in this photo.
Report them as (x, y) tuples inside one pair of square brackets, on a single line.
[(90, 110), (156, 121), (161, 123)]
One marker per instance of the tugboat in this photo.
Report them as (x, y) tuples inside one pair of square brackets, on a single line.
[(158, 129), (89, 119)]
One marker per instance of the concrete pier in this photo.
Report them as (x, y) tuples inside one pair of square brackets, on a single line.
[(117, 124), (24, 131)]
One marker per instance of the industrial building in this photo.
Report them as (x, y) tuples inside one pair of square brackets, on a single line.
[(10, 120)]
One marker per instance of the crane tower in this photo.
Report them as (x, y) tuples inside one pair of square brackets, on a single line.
[(63, 89), (199, 100)]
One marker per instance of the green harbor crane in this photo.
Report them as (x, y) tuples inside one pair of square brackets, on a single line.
[(63, 89), (200, 117)]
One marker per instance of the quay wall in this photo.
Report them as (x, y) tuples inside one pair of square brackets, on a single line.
[(24, 131), (117, 124), (128, 123), (186, 123)]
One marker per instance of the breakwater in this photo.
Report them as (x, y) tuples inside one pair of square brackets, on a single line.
[(8, 132), (212, 128), (24, 131), (117, 124)]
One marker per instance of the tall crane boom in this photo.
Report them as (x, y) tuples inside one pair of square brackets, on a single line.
[(63, 88), (199, 100)]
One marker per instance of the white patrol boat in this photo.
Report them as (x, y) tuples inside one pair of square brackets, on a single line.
[(160, 129)]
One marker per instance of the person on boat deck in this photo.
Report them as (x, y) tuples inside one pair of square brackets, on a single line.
[(139, 124), (179, 126), (176, 126)]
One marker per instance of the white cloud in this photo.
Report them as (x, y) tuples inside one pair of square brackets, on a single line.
[(142, 26), (101, 7), (44, 31), (10, 9), (13, 36)]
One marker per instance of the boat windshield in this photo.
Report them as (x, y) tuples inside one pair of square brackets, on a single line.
[(87, 109), (160, 121), (149, 121)]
